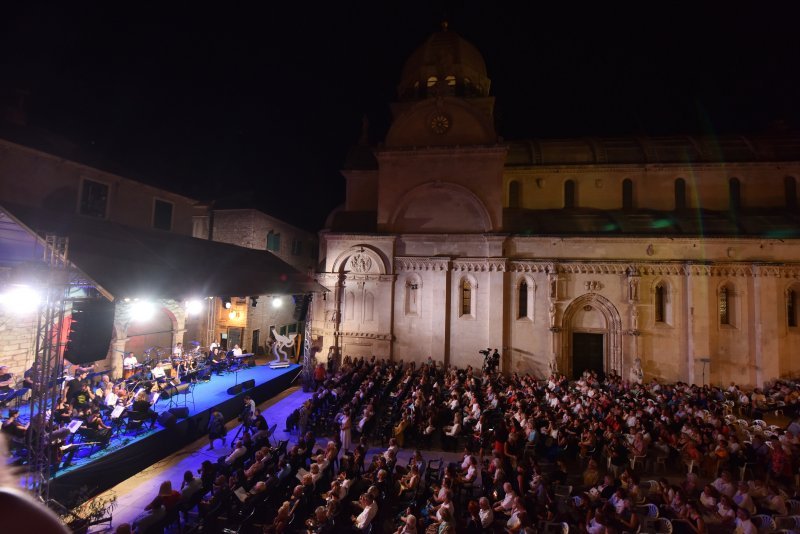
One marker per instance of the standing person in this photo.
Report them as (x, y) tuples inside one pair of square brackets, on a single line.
[(129, 363), (344, 434), (216, 429)]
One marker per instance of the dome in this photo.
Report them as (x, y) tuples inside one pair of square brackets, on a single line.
[(445, 64)]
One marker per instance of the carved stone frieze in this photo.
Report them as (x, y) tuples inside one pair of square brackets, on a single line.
[(366, 335), (480, 265), (411, 263)]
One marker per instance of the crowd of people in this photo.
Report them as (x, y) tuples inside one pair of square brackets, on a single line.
[(597, 454)]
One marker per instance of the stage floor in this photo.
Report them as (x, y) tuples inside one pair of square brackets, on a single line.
[(128, 452)]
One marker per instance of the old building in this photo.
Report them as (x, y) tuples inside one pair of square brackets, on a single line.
[(250, 319), (680, 252)]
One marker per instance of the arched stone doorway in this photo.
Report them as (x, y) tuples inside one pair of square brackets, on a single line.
[(591, 324)]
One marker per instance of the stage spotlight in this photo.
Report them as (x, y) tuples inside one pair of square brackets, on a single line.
[(277, 302), (20, 299), (142, 310), (194, 306)]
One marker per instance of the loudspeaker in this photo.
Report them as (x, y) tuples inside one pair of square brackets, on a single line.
[(235, 390), (301, 303), (248, 384), (167, 420), (90, 331), (181, 412)]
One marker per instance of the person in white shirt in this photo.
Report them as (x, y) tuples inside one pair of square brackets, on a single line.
[(504, 506), (486, 513), (239, 451), (742, 498), (129, 363), (237, 350), (363, 520), (177, 351), (743, 523), (724, 484)]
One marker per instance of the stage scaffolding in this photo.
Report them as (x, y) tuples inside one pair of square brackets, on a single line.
[(48, 363)]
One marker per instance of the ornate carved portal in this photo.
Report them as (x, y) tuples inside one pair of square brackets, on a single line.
[(612, 332)]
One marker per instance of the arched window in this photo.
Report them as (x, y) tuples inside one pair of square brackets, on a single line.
[(450, 80), (680, 194), (273, 241), (790, 191), (514, 192), (734, 194), (432, 80), (466, 297), (369, 306), (569, 194), (791, 307), (727, 310), (660, 302), (413, 285), (627, 194), (522, 300)]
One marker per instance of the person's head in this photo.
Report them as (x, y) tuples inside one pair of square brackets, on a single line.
[(165, 488), (483, 503), (321, 514), (445, 514), (411, 521), (743, 514), (473, 507)]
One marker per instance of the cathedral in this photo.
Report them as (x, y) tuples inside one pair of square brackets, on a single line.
[(671, 258)]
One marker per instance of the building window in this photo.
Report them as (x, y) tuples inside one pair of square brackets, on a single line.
[(514, 190), (162, 215), (734, 194), (432, 80), (522, 300), (297, 247), (273, 241), (450, 80), (349, 305), (466, 297), (94, 199), (791, 307), (680, 194), (790, 190), (369, 306), (727, 306), (627, 194), (412, 295), (569, 194), (660, 304)]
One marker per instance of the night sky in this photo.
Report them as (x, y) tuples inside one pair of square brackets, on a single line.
[(259, 102)]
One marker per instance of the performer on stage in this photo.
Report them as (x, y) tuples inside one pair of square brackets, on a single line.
[(177, 352), (129, 363), (237, 351)]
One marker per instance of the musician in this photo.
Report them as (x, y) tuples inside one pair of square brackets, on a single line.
[(129, 364), (218, 361), (177, 351), (237, 351), (13, 426), (142, 405), (6, 379), (96, 429)]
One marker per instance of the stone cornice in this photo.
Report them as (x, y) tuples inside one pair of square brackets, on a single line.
[(414, 263), (480, 265), (426, 151), (365, 335), (579, 168), (333, 278)]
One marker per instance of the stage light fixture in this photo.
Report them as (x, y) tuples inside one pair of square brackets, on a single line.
[(142, 310), (194, 306), (20, 299), (277, 302)]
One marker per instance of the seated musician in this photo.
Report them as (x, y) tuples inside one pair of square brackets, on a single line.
[(13, 426), (96, 429), (129, 364), (237, 351), (7, 380), (218, 360), (142, 405)]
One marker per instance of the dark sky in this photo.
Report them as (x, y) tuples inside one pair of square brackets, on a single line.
[(262, 100)]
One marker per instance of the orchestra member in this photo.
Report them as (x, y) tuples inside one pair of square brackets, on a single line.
[(6, 379), (143, 406), (129, 364), (237, 351), (177, 352)]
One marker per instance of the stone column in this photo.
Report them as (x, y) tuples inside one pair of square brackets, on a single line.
[(118, 353)]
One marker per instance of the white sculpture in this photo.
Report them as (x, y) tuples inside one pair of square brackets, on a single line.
[(281, 343), (636, 374)]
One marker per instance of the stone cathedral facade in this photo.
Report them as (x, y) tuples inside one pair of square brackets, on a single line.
[(681, 253)]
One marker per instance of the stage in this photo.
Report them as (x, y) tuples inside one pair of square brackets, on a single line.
[(127, 454)]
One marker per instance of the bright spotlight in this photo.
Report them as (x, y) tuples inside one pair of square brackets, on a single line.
[(142, 310), (194, 306), (277, 302), (20, 299)]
